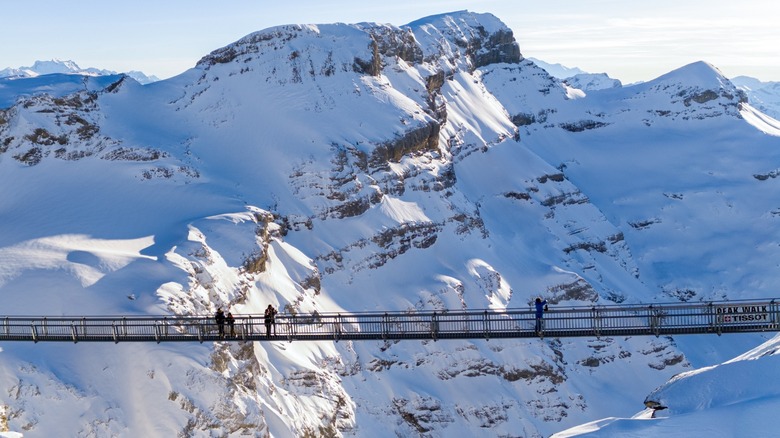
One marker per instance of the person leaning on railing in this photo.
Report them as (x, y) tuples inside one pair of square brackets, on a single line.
[(541, 307)]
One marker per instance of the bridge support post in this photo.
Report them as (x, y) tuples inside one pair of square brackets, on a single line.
[(486, 325), (34, 333), (655, 321), (115, 332), (717, 322), (337, 329), (73, 333), (434, 327), (290, 328), (596, 316)]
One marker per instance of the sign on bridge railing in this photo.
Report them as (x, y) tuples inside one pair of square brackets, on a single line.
[(736, 314)]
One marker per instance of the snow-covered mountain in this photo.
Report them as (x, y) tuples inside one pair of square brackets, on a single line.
[(56, 66), (371, 167), (558, 70), (47, 67), (765, 96), (577, 78), (592, 81)]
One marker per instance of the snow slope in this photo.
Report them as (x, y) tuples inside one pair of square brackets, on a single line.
[(734, 398), (365, 167)]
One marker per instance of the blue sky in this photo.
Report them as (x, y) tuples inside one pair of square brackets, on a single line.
[(631, 41)]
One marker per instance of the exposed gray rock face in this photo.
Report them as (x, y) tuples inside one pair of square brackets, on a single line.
[(71, 131)]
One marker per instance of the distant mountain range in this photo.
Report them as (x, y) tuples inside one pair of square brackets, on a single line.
[(557, 70), (68, 67), (764, 96)]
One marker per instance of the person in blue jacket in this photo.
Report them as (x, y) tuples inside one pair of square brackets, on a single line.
[(541, 307)]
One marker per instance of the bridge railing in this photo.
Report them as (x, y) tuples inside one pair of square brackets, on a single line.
[(657, 319)]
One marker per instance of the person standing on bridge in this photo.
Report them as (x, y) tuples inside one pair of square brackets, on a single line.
[(219, 317), (270, 320), (541, 307), (231, 324)]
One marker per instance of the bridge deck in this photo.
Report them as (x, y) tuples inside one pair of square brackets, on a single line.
[(594, 321)]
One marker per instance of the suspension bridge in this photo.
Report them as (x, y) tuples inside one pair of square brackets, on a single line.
[(585, 321)]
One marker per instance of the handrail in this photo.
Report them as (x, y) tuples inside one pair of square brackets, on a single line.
[(607, 307), (595, 321)]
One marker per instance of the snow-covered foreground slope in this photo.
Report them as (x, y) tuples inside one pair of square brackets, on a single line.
[(734, 398), (371, 167)]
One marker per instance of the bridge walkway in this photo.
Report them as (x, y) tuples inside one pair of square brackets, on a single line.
[(587, 321)]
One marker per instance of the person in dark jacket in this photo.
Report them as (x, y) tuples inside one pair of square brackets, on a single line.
[(219, 317), (541, 307), (231, 324), (270, 320)]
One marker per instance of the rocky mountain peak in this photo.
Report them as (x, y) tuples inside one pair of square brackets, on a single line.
[(699, 83), (476, 39), (480, 39), (291, 41)]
